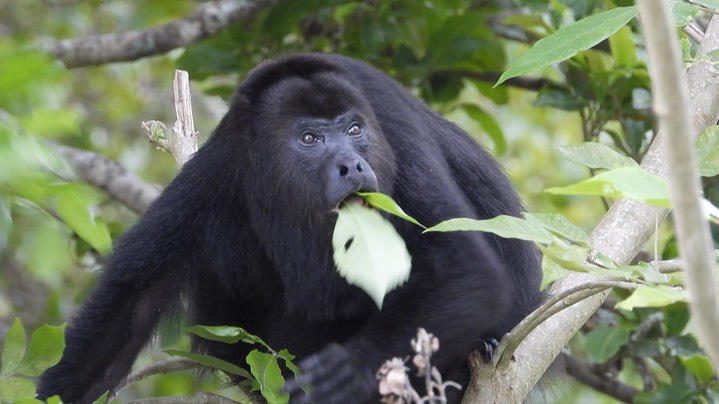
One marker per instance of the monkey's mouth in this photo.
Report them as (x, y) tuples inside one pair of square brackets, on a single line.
[(349, 199)]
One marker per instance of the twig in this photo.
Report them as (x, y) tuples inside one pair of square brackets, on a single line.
[(182, 144), (591, 376), (693, 32), (110, 176), (647, 325), (167, 366), (208, 20), (202, 397), (552, 306), (671, 100), (670, 266)]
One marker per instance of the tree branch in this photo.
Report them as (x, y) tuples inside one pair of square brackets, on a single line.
[(207, 21), (202, 397), (552, 306), (110, 176), (182, 142), (590, 375), (620, 235), (670, 104), (162, 367)]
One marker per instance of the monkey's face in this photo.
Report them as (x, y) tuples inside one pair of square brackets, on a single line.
[(320, 146)]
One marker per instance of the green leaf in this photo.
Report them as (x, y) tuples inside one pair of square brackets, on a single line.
[(48, 253), (651, 296), (36, 401), (707, 148), (558, 224), (102, 399), (570, 257), (13, 348), (677, 392), (676, 317), (683, 345), (46, 346), (211, 361), (77, 216), (683, 13), (226, 334), (627, 182), (51, 123), (623, 48), (530, 22), (559, 99), (368, 252), (503, 226), (700, 366), (570, 40), (551, 271), (268, 375), (387, 204), (596, 155), (15, 388), (604, 342), (21, 70), (489, 125), (54, 400), (288, 357)]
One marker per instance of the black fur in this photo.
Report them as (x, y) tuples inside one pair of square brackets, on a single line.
[(243, 234)]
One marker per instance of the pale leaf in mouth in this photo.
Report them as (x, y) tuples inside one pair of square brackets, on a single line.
[(368, 251)]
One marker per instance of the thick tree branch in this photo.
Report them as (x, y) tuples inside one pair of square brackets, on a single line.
[(670, 104), (207, 21), (621, 234), (111, 177)]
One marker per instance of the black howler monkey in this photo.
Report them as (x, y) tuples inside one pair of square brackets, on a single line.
[(243, 235)]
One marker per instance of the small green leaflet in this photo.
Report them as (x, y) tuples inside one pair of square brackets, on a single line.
[(651, 296), (707, 148), (570, 40), (212, 362), (604, 342), (13, 348), (368, 252), (268, 376), (626, 182), (596, 155), (226, 334), (502, 225), (387, 204)]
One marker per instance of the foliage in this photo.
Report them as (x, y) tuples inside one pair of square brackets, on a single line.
[(266, 374), (580, 64), (20, 361)]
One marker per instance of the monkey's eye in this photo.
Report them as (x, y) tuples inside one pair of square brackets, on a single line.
[(309, 138), (355, 130)]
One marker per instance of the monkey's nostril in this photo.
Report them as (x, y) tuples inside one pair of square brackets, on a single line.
[(343, 170), (359, 167)]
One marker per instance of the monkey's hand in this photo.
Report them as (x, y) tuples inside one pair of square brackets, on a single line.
[(332, 376)]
